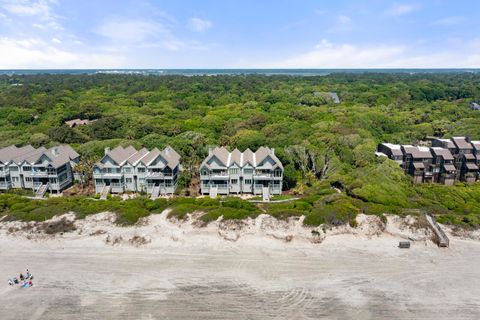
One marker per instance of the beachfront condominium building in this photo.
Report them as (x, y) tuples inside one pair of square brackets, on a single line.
[(127, 169), (417, 162), (447, 161), (39, 169), (224, 172), (444, 170)]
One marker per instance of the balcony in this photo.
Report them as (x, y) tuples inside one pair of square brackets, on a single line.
[(108, 175), (158, 175), (5, 185), (223, 175)]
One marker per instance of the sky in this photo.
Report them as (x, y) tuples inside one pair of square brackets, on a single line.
[(58, 34)]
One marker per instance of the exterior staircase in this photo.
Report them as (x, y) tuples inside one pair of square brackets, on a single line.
[(441, 237), (213, 192), (155, 192), (105, 192), (41, 191), (266, 193)]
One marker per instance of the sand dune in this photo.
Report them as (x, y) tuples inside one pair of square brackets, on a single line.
[(259, 269)]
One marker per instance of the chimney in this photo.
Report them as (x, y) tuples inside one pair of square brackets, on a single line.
[(55, 151), (273, 151), (210, 150), (107, 150), (468, 139)]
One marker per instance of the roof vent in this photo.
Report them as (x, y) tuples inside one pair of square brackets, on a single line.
[(55, 151), (107, 150)]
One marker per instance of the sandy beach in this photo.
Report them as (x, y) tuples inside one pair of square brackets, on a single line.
[(264, 269)]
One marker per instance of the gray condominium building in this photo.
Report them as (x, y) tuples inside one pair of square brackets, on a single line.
[(446, 161), (127, 169), (224, 172), (39, 169)]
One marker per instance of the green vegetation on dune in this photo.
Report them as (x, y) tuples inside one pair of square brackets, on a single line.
[(321, 144)]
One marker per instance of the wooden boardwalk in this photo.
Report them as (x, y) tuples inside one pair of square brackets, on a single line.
[(441, 237)]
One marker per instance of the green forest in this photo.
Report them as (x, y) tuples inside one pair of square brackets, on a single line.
[(327, 149)]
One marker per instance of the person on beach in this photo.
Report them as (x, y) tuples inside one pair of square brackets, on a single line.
[(10, 282), (15, 280), (22, 277)]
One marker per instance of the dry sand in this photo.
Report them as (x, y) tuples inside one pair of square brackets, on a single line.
[(258, 269)]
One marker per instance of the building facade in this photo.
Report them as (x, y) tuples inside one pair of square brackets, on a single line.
[(224, 172), (446, 161), (39, 169), (127, 169)]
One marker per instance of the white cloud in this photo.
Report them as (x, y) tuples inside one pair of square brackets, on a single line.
[(56, 40), (342, 19), (42, 10), (131, 31), (199, 25), (330, 55), (35, 53), (449, 21), (401, 9)]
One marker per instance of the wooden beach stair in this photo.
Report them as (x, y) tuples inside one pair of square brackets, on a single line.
[(441, 237), (105, 192), (213, 192), (155, 192), (266, 194), (41, 191)]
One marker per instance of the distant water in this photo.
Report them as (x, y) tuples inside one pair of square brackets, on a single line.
[(212, 72)]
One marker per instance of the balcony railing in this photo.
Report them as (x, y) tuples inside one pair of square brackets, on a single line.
[(153, 174)]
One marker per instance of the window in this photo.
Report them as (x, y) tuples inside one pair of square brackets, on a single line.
[(141, 180), (98, 181), (248, 181), (62, 177), (13, 168), (248, 171), (128, 170), (168, 183), (141, 170), (234, 181), (234, 171), (27, 168), (204, 173), (15, 179), (128, 180), (278, 173), (28, 179)]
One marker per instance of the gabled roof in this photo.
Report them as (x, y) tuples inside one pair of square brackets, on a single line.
[(241, 159), (248, 158), (130, 155), (57, 156), (476, 144), (10, 152), (236, 157), (137, 156), (417, 152), (446, 143), (462, 143), (172, 156), (121, 154), (395, 149), (442, 152)]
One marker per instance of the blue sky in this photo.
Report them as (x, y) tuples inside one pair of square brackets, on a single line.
[(239, 34)]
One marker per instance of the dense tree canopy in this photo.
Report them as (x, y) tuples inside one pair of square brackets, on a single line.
[(317, 140)]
